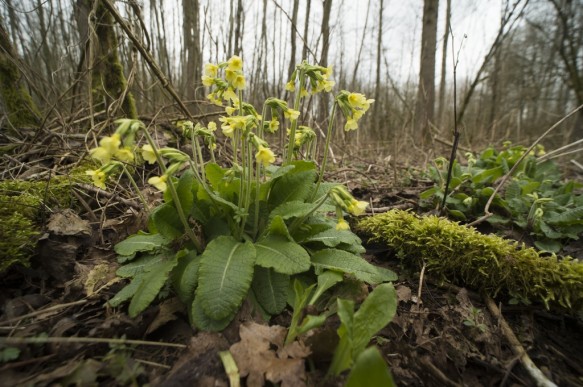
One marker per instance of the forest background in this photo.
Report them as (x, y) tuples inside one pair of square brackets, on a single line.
[(518, 64)]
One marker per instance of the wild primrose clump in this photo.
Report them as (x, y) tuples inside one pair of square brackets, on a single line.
[(266, 231)]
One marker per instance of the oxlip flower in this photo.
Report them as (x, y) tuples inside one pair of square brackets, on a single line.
[(235, 63), (98, 177), (159, 182), (357, 207), (148, 154), (211, 70), (291, 114), (342, 225), (264, 156)]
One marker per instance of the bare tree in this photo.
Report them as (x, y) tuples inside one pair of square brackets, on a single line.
[(445, 49), (425, 105), (306, 24), (378, 72), (191, 51), (294, 22)]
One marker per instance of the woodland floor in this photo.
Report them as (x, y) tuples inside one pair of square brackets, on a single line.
[(426, 344)]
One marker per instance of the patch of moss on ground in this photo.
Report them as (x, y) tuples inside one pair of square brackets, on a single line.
[(23, 204), (465, 257)]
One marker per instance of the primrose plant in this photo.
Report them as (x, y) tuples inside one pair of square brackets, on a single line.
[(248, 230)]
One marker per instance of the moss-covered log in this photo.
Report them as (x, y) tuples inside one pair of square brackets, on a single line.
[(465, 257), (16, 101)]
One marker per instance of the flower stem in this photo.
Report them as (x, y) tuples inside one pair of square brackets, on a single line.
[(174, 194), (135, 185), (326, 147), (294, 124)]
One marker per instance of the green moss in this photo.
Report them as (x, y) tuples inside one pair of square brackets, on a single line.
[(22, 111), (486, 263), (22, 204)]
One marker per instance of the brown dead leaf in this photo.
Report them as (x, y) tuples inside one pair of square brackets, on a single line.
[(166, 313), (68, 223), (403, 293), (261, 355)]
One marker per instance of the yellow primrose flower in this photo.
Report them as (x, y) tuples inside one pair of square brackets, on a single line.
[(230, 94), (290, 86), (159, 182), (111, 144), (148, 154), (342, 225), (265, 156), (124, 154), (214, 100), (351, 124), (207, 81), (239, 82), (212, 126), (291, 114), (357, 100), (230, 110), (325, 85), (235, 63), (327, 72), (230, 75), (357, 207), (304, 92), (273, 125), (211, 70), (98, 177), (100, 154)]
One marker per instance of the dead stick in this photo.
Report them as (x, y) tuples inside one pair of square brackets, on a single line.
[(517, 348)]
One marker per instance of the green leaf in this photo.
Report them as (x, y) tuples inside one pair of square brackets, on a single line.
[(202, 321), (342, 358), (270, 289), (370, 369), (377, 310), (138, 266), (345, 262), (186, 187), (225, 274), (152, 283), (8, 354), (276, 172), (549, 245), (428, 193), (185, 275), (333, 238), (294, 186), (282, 255), (278, 227), (569, 217), (326, 280), (127, 292), (292, 209), (488, 175), (166, 220), (140, 242)]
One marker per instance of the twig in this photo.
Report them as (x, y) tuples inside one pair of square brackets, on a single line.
[(539, 378), (487, 212), (577, 164), (436, 372), (42, 311), (109, 195), (84, 340)]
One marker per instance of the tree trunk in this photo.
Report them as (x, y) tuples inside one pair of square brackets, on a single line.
[(378, 74), (441, 99), (192, 69), (425, 104), (17, 103), (306, 25), (109, 81)]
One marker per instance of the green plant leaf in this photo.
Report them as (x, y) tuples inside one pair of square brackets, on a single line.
[(370, 369), (167, 222), (568, 217), (428, 193), (549, 245), (185, 275), (292, 209), (186, 188), (225, 274), (326, 280), (139, 243), (278, 227), (377, 310), (282, 255), (152, 283), (339, 260), (126, 292), (138, 266), (333, 238), (270, 289), (342, 358), (202, 321), (293, 186)]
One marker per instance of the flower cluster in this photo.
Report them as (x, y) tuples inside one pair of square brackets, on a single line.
[(224, 89), (344, 201), (114, 150), (353, 106), (318, 78)]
